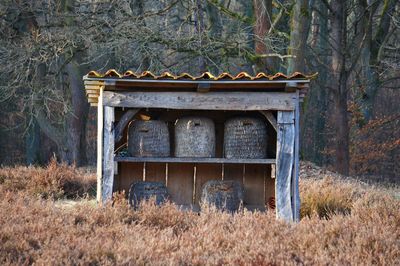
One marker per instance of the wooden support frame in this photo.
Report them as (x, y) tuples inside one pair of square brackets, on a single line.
[(286, 124)]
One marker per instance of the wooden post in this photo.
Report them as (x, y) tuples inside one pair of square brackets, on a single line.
[(100, 110), (284, 164), (296, 166), (270, 117), (108, 154)]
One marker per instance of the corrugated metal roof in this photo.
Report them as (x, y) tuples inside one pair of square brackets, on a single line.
[(95, 80), (112, 73)]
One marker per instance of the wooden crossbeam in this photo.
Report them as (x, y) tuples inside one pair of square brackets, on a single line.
[(201, 101)]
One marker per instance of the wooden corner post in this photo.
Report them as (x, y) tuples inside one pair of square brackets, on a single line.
[(105, 150), (296, 164), (108, 154), (284, 164), (99, 173)]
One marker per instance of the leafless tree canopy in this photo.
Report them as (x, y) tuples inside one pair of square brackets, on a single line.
[(47, 46)]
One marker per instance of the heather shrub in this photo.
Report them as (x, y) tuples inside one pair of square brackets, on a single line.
[(35, 230), (328, 196), (57, 180)]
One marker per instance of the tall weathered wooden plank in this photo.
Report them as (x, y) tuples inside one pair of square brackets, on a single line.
[(254, 186), (234, 172), (284, 164), (295, 176), (180, 183), (128, 174), (108, 154), (269, 197), (100, 110), (155, 172)]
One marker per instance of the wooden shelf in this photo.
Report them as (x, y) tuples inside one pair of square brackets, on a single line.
[(193, 160)]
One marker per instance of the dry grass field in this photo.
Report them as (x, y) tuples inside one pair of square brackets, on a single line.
[(49, 217)]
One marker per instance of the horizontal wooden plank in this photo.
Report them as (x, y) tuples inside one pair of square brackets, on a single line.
[(94, 91), (194, 160), (195, 208), (93, 100), (201, 101), (92, 87), (93, 82)]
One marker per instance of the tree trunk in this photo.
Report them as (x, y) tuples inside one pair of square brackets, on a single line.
[(71, 137), (76, 121), (199, 25), (370, 57), (315, 107), (215, 22), (300, 25), (248, 11), (137, 8), (263, 17), (342, 129), (339, 73), (32, 143)]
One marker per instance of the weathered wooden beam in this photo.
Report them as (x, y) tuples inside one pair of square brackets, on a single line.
[(123, 122), (296, 166), (108, 154), (100, 110), (201, 101), (271, 119), (194, 160), (94, 82), (92, 87), (92, 91), (284, 164)]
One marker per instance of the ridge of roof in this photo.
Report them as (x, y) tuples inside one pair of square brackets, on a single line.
[(112, 73)]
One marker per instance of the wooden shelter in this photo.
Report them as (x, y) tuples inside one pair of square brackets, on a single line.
[(269, 183)]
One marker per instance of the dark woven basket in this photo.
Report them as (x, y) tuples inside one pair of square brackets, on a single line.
[(194, 137), (148, 139), (141, 190), (226, 195), (245, 138)]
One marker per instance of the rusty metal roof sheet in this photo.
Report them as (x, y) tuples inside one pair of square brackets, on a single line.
[(112, 73), (95, 80)]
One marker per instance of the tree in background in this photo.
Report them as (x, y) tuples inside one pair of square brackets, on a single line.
[(42, 71), (46, 47)]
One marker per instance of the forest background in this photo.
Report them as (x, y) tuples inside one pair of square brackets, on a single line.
[(350, 118)]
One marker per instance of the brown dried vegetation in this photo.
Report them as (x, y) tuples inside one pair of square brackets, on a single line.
[(56, 181), (344, 222)]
